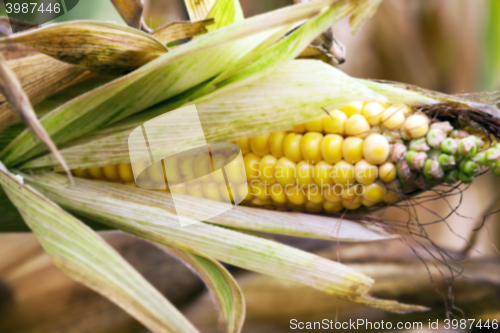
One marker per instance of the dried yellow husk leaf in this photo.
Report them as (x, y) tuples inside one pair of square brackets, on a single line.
[(105, 48), (40, 76), (130, 11), (178, 30)]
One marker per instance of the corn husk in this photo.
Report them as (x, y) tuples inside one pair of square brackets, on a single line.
[(85, 257), (100, 47)]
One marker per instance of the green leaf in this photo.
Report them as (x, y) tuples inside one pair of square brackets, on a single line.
[(225, 12), (84, 256), (125, 208), (223, 287), (292, 94), (167, 76)]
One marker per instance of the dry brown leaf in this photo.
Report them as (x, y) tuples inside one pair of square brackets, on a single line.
[(16, 51), (100, 47), (40, 76), (130, 11), (12, 25), (179, 30), (15, 95)]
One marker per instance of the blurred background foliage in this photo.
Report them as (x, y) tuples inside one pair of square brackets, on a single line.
[(451, 46)]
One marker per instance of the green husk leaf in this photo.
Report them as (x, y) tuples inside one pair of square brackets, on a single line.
[(10, 219), (85, 257), (125, 209), (14, 94), (100, 47), (364, 10), (225, 12), (251, 68), (40, 76), (223, 287), (165, 77), (292, 94)]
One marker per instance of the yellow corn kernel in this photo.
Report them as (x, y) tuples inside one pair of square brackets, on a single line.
[(172, 168), (202, 165), (243, 192), (314, 207), (235, 171), (194, 189), (357, 126), (333, 207), (285, 171), (352, 204), (331, 148), (96, 173), (310, 147), (391, 197), (350, 192), (180, 189), (333, 194), (334, 123), (343, 173), (295, 195), (111, 172), (376, 149), (252, 166), (211, 191), (373, 113), (267, 165), (276, 144), (155, 173), (416, 126), (365, 173), (407, 111), (387, 172), (305, 173), (315, 125), (244, 145), (393, 118), (300, 128), (260, 145), (277, 194), (219, 161), (352, 108), (375, 192), (314, 194), (186, 167), (82, 173), (291, 147), (125, 172), (322, 172), (259, 190), (352, 149)]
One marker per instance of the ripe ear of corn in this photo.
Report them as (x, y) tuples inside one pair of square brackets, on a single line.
[(362, 155)]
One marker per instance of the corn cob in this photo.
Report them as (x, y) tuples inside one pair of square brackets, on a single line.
[(362, 155)]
